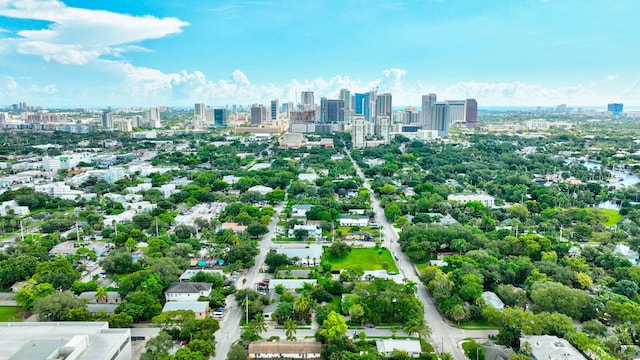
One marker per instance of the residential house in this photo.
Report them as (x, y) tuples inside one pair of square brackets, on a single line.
[(370, 275), (263, 190), (626, 252), (108, 309), (291, 284), (490, 298), (300, 210), (313, 231), (263, 350), (496, 352), (187, 291), (12, 207), (90, 297), (189, 273), (349, 220), (386, 347), (547, 347), (307, 256), (486, 200), (199, 308)]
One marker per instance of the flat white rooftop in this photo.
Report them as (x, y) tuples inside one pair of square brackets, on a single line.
[(44, 340)]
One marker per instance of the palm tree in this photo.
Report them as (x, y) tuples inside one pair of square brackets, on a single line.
[(410, 287), (101, 294), (419, 326), (290, 327), (259, 325), (301, 308)]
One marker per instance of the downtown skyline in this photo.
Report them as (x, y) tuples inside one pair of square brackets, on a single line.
[(146, 53)]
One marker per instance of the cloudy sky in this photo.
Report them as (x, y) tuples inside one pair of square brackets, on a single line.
[(119, 53)]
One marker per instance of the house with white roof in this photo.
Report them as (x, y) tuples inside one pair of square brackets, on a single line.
[(12, 206), (300, 210), (189, 273), (291, 284), (307, 256), (486, 200), (625, 251), (349, 220), (386, 347), (263, 190), (490, 298), (547, 347), (313, 231)]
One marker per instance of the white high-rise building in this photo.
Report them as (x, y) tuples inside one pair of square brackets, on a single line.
[(198, 113), (345, 96), (153, 117), (428, 102), (384, 128), (358, 132)]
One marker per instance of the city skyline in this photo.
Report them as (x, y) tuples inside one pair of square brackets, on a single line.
[(118, 53)]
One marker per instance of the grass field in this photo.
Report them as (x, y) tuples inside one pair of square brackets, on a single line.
[(613, 216), (368, 258), (10, 313)]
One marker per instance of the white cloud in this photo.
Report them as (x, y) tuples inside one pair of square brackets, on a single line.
[(78, 36)]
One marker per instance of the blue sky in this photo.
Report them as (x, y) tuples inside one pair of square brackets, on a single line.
[(83, 53)]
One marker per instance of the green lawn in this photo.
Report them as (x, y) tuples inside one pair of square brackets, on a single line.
[(613, 216), (368, 258), (10, 313)]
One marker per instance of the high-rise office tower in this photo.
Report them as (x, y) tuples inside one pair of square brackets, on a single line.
[(107, 120), (307, 100), (275, 109), (471, 113), (441, 119), (258, 114), (345, 96), (456, 111), (615, 108), (220, 117), (428, 102), (331, 111), (198, 111), (209, 115)]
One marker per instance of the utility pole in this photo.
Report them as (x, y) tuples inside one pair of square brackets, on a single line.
[(21, 232)]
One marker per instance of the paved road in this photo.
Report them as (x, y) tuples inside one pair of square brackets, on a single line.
[(444, 338), (230, 330)]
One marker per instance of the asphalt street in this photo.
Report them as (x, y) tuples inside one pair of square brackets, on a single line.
[(444, 338)]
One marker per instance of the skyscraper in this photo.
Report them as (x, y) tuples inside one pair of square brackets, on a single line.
[(258, 114), (331, 111), (198, 111), (471, 113), (358, 132), (107, 120), (220, 117), (615, 108), (307, 100), (440, 119), (384, 108), (153, 117), (428, 102), (275, 109), (345, 96)]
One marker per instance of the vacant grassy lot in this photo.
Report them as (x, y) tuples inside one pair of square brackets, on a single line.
[(613, 216), (368, 258), (10, 313)]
